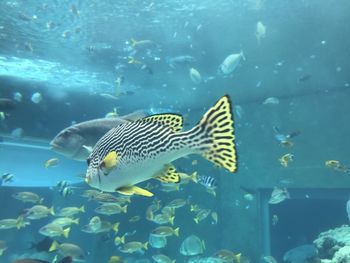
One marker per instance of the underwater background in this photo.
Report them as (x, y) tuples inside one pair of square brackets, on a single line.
[(285, 66)]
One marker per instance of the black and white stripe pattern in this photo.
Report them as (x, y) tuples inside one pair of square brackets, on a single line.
[(136, 141)]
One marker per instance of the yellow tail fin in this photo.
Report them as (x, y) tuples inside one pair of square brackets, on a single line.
[(119, 240), (238, 258), (66, 232), (52, 211), (194, 177), (145, 245), (177, 231), (215, 135), (116, 227), (20, 222), (171, 220), (54, 246)]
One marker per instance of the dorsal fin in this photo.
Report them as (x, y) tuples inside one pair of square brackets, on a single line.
[(173, 121)]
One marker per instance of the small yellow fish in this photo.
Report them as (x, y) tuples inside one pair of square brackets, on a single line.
[(228, 256), (90, 194), (201, 215), (111, 209), (38, 212), (166, 231), (160, 258), (71, 211), (169, 211), (13, 223), (194, 208), (105, 197), (161, 219), (54, 230), (65, 221), (140, 43), (185, 178), (285, 159), (134, 246), (51, 162), (154, 207), (96, 225), (336, 165), (28, 197), (68, 249), (332, 163), (115, 259), (119, 240)]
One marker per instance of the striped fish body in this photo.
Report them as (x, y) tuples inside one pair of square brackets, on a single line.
[(145, 147), (208, 181)]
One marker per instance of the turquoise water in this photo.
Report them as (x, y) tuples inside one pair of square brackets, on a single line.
[(289, 86)]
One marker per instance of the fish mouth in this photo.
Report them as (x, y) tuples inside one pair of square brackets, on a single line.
[(54, 146), (88, 179)]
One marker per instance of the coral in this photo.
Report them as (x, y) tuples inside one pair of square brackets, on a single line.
[(334, 245), (342, 255)]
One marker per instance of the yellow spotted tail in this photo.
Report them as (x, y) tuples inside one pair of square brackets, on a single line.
[(214, 135)]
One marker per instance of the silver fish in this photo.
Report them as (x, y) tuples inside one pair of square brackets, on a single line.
[(192, 246), (278, 195), (75, 141)]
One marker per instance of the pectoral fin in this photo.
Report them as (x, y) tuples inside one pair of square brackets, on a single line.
[(133, 190), (169, 175), (87, 148)]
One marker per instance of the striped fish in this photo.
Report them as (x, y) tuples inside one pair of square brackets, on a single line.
[(137, 151), (207, 181)]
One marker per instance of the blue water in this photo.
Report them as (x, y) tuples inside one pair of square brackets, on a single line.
[(73, 52)]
